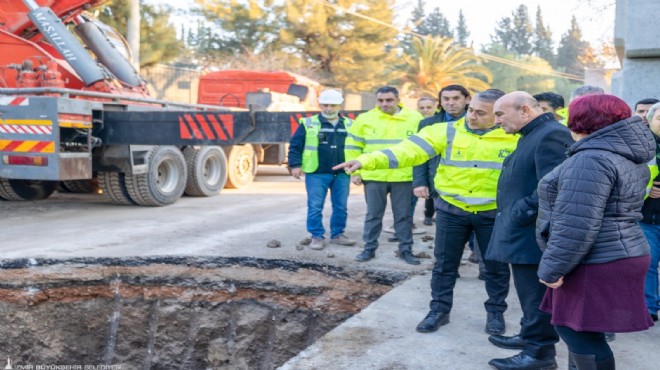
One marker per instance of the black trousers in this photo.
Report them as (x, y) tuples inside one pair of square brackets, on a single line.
[(585, 342), (536, 328), (451, 234), (429, 207)]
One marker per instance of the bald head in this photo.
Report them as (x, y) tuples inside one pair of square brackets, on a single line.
[(515, 110)]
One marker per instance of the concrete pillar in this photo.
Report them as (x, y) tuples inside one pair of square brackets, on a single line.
[(638, 48)]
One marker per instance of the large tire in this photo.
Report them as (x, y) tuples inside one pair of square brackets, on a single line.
[(165, 180), (113, 185), (241, 166), (207, 170), (81, 186), (26, 189)]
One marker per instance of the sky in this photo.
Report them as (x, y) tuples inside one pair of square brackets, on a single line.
[(595, 17)]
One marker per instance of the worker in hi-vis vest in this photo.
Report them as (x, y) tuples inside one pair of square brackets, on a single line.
[(386, 125), (471, 150), (317, 146)]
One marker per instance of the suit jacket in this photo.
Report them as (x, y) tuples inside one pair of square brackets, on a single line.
[(541, 148)]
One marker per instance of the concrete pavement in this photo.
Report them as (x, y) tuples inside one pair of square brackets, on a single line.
[(383, 335)]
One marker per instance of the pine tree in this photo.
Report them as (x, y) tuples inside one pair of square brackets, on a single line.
[(351, 52), (503, 36), (158, 39), (522, 31), (415, 24), (572, 49), (514, 33), (543, 39), (437, 25), (249, 26), (462, 32)]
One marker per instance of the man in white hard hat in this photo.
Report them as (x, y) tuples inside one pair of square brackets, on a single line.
[(316, 147)]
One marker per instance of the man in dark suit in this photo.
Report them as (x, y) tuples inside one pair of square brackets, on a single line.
[(542, 146)]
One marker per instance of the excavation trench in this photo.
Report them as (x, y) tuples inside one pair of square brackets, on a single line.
[(174, 313)]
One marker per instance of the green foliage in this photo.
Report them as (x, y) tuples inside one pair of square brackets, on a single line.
[(462, 32), (542, 41), (348, 51), (437, 25), (573, 50), (437, 62), (158, 39), (509, 78), (234, 27)]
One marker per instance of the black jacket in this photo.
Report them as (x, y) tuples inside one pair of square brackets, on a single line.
[(651, 209), (330, 150), (424, 174), (589, 206), (541, 148)]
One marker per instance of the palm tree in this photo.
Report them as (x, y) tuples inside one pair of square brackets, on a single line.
[(437, 62)]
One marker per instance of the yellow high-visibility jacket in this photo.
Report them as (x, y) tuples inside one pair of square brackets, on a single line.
[(470, 164), (375, 130)]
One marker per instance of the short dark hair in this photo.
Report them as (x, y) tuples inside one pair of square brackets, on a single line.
[(490, 95), (590, 113), (459, 88), (646, 102), (556, 101), (388, 89)]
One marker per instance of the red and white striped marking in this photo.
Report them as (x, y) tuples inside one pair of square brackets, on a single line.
[(26, 129), (9, 100)]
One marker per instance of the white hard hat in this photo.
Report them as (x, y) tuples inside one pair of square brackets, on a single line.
[(330, 97)]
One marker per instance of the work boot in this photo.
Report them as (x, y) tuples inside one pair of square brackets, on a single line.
[(365, 256), (342, 239), (495, 323), (317, 244), (432, 322), (409, 258), (523, 361), (513, 342), (428, 221)]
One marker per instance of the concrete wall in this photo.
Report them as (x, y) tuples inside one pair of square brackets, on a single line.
[(638, 48)]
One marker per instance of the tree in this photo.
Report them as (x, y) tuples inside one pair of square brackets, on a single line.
[(158, 39), (462, 32), (535, 78), (415, 24), (436, 24), (514, 33), (542, 41), (437, 62), (572, 49), (248, 26), (349, 51)]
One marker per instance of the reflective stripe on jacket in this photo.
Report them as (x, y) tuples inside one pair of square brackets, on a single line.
[(375, 130), (470, 164), (313, 128)]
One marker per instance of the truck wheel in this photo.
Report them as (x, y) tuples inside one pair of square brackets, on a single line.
[(241, 166), (113, 185), (207, 170), (165, 180), (26, 189), (80, 186)]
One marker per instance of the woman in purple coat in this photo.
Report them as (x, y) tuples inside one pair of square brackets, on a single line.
[(595, 255)]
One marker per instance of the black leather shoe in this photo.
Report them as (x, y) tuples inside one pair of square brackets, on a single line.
[(365, 256), (409, 258), (495, 323), (523, 362), (393, 239), (432, 322), (514, 342)]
